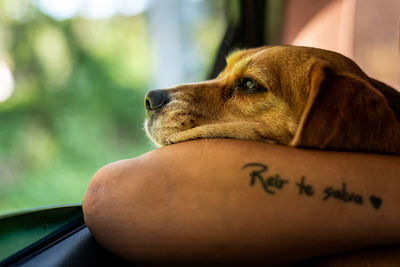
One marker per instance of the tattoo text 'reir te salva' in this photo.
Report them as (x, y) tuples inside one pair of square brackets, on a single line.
[(271, 183)]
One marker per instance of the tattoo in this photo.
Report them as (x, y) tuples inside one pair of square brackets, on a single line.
[(307, 189), (343, 195), (272, 183), (375, 201)]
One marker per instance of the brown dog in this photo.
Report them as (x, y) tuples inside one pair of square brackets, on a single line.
[(298, 96)]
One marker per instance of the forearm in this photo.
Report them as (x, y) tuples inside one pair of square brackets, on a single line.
[(210, 200)]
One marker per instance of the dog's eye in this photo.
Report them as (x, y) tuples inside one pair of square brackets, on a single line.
[(251, 86)]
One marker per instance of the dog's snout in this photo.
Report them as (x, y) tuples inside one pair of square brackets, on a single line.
[(155, 99)]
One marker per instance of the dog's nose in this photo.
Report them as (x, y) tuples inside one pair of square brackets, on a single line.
[(155, 99)]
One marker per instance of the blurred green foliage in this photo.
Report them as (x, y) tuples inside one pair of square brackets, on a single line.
[(77, 103)]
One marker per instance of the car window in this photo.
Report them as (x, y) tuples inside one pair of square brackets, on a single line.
[(73, 74), (363, 30)]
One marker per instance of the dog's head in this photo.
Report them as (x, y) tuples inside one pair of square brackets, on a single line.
[(283, 94)]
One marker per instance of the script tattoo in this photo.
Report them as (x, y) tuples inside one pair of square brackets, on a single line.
[(343, 195), (272, 183), (303, 188), (269, 182)]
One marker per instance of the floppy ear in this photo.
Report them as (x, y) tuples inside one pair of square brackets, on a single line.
[(345, 112)]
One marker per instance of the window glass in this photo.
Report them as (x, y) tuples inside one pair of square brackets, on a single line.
[(377, 39), (73, 74), (365, 30)]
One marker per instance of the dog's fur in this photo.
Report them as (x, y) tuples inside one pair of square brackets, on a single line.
[(305, 97)]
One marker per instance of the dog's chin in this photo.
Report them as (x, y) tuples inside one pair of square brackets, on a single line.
[(168, 136), (164, 131), (163, 136), (178, 137)]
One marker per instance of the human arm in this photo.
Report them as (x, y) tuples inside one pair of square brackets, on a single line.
[(194, 203)]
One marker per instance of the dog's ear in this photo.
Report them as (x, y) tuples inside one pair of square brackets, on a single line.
[(345, 112)]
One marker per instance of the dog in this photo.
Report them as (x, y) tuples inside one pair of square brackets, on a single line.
[(297, 96)]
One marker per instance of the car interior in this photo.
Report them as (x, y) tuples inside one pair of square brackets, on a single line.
[(58, 236)]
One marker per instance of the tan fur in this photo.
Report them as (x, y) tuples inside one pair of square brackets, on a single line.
[(314, 98)]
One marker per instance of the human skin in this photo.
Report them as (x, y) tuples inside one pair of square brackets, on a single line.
[(196, 203)]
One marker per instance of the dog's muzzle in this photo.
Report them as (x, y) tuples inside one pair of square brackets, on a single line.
[(155, 99)]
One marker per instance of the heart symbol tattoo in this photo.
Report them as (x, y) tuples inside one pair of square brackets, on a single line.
[(375, 201)]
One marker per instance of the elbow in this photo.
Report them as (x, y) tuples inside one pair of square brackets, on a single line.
[(116, 205), (95, 200), (105, 195)]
